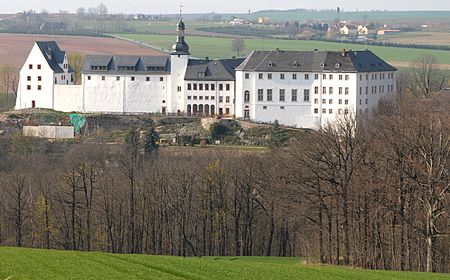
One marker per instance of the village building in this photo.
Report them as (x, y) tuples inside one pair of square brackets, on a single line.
[(302, 89)]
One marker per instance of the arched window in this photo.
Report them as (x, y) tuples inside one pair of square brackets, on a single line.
[(206, 109), (200, 109), (194, 110), (246, 96), (213, 110), (189, 109)]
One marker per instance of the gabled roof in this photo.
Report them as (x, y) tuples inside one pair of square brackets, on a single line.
[(212, 70), (314, 61), (53, 54), (125, 64)]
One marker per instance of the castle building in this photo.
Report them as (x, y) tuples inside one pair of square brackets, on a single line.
[(301, 89)]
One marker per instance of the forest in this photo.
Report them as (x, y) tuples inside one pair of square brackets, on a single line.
[(366, 192)]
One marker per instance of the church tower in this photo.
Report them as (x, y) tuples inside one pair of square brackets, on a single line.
[(179, 58)]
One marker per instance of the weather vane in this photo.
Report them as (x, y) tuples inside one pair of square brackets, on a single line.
[(181, 11)]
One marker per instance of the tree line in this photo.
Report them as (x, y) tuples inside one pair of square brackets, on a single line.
[(368, 193)]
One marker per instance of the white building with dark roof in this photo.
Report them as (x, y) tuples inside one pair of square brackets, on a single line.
[(302, 89)]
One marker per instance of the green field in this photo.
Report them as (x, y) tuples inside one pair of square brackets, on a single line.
[(40, 264), (220, 47)]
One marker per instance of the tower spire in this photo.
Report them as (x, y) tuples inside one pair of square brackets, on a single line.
[(180, 47)]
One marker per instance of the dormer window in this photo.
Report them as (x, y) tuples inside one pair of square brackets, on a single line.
[(98, 68), (201, 74), (322, 65), (295, 64), (270, 64), (338, 65)]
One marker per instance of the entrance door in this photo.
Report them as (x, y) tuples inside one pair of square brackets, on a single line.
[(33, 104)]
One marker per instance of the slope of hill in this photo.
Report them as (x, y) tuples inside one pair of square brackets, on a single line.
[(21, 263)]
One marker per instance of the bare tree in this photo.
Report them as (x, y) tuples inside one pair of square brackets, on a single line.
[(9, 80), (238, 45), (76, 61), (427, 77)]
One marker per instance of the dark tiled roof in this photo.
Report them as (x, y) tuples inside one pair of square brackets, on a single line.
[(126, 64), (212, 70), (314, 61), (53, 55)]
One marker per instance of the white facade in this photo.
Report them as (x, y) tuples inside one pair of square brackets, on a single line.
[(335, 84), (309, 100), (37, 80)]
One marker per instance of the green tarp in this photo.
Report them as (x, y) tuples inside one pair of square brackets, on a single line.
[(78, 122)]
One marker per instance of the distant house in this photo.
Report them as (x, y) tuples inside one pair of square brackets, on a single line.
[(53, 26), (388, 31), (363, 30), (238, 21), (348, 30), (264, 20)]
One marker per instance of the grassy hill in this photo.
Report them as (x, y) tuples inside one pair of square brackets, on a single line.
[(214, 47), (21, 263)]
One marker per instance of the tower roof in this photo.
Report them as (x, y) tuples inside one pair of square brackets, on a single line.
[(180, 47)]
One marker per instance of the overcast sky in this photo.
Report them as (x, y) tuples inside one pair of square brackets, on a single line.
[(229, 6)]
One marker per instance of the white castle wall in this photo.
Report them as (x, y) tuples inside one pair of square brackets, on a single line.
[(68, 98)]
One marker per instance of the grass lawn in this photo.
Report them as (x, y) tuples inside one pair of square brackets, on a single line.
[(40, 264), (221, 47)]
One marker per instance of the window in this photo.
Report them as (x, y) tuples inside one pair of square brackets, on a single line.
[(306, 95), (200, 86), (28, 87), (28, 78), (330, 90), (316, 111), (340, 102), (367, 101), (30, 66), (324, 101), (316, 101), (189, 97), (316, 76), (103, 78), (246, 96), (195, 97), (294, 95), (220, 87), (179, 89), (346, 111), (367, 90), (281, 107), (360, 90), (282, 95), (260, 76), (220, 99), (200, 97), (264, 107), (340, 90), (360, 77), (247, 76), (340, 77), (89, 78), (227, 99), (213, 86), (195, 86), (189, 86), (247, 114), (346, 90), (269, 95), (212, 97), (340, 111), (269, 76), (39, 67), (324, 77), (227, 87), (316, 90), (346, 101), (367, 77), (161, 79), (147, 79), (347, 77), (227, 111), (260, 95), (324, 90), (330, 101), (306, 76), (331, 77), (324, 111), (281, 76), (133, 79), (330, 111), (294, 76), (39, 87), (207, 87), (117, 78)]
